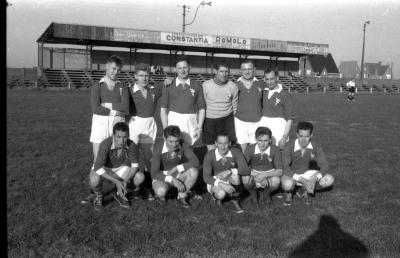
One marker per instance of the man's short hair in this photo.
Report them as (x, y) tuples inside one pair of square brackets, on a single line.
[(267, 71), (121, 126), (172, 130), (305, 126), (263, 131), (248, 61), (182, 59), (142, 67), (223, 134), (115, 59), (221, 64)]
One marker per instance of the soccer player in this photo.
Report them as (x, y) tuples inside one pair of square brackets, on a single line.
[(221, 96), (305, 165), (265, 162), (173, 164), (351, 86), (142, 126), (222, 169), (116, 162), (182, 103), (109, 103), (249, 109), (278, 113)]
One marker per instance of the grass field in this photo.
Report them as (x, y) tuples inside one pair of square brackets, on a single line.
[(49, 156)]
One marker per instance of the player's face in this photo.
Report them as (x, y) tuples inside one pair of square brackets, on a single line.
[(142, 78), (112, 70), (222, 144), (247, 70), (172, 143), (120, 138), (304, 137), (271, 80), (222, 74), (182, 70), (263, 141)]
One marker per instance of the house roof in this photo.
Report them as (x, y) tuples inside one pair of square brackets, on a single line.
[(319, 62), (349, 68), (375, 68)]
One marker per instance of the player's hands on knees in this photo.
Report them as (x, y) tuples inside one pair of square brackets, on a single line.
[(226, 187), (121, 188), (178, 184)]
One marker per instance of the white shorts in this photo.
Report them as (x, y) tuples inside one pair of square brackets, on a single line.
[(142, 129), (307, 175), (276, 125), (122, 171), (245, 131), (187, 123), (102, 127)]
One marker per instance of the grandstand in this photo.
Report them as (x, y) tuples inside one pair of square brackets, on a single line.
[(303, 67)]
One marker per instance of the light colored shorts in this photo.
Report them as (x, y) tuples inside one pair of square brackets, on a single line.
[(102, 127), (276, 125), (122, 171), (187, 123), (245, 131), (142, 129)]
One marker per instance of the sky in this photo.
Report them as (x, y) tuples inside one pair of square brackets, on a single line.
[(337, 23)]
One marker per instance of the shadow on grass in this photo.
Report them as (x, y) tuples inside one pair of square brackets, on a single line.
[(330, 241)]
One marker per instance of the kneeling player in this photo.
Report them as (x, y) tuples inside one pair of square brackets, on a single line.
[(265, 162), (117, 162), (304, 165), (222, 169), (173, 164)]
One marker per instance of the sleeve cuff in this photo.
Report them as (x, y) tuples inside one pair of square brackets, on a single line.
[(180, 168), (100, 171), (168, 179), (108, 105), (134, 165), (216, 181), (113, 112), (234, 171), (296, 177)]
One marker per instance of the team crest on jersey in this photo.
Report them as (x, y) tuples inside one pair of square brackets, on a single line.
[(277, 101), (312, 155), (120, 91), (233, 164), (192, 91), (153, 96)]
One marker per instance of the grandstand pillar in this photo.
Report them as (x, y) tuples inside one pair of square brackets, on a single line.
[(130, 59), (51, 58), (40, 59), (64, 50)]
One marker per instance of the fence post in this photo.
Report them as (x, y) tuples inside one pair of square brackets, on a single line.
[(356, 90), (289, 89), (307, 90), (370, 90), (398, 90), (384, 90), (341, 89), (324, 89), (69, 85)]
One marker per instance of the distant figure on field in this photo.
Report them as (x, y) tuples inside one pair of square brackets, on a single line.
[(304, 165), (351, 86)]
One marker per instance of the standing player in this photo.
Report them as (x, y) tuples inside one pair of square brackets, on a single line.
[(221, 96), (249, 109), (278, 113), (109, 103), (222, 169), (182, 103), (142, 126), (116, 162), (351, 86), (173, 164), (304, 164), (265, 162)]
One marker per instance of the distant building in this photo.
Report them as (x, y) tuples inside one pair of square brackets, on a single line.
[(318, 66), (349, 69), (377, 71)]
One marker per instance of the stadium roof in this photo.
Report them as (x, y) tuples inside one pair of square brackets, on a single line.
[(77, 34), (349, 68), (375, 68)]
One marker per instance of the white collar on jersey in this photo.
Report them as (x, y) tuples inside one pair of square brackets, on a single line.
[(267, 151), (277, 89), (178, 82), (219, 156), (241, 78), (105, 79), (297, 146)]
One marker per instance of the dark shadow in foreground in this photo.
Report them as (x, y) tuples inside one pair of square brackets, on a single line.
[(330, 241)]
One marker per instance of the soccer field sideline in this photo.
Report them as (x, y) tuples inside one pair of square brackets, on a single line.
[(49, 154)]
